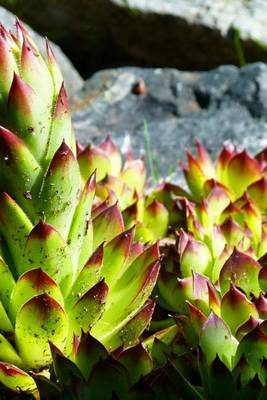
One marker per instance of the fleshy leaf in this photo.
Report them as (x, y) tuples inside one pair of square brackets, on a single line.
[(89, 308), (216, 338), (175, 291), (196, 256), (14, 227), (137, 362), (258, 193), (128, 295), (61, 129), (5, 323), (131, 332), (243, 165), (155, 220), (60, 190), (89, 353), (88, 277), (241, 270), (134, 174), (113, 154), (30, 284), (80, 237), (39, 320), (107, 225), (7, 283), (32, 66), (7, 352), (16, 161), (16, 379), (116, 254), (45, 248), (53, 67), (8, 66), (256, 340), (236, 308), (94, 159), (29, 117)]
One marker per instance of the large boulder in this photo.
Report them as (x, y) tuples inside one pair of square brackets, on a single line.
[(185, 34), (73, 80), (171, 109)]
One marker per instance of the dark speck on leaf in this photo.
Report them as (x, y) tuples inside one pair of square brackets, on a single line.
[(28, 195)]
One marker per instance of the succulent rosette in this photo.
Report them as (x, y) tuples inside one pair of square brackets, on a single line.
[(214, 275), (124, 181), (126, 373), (63, 269)]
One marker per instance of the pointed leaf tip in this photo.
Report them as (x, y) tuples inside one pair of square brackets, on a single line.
[(61, 157), (41, 231), (98, 292)]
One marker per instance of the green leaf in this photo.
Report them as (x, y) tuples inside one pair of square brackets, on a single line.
[(7, 352), (88, 277), (129, 335), (32, 67), (216, 338), (7, 68), (39, 320), (16, 379), (94, 159), (60, 190), (81, 230), (7, 283), (14, 227), (5, 323), (89, 308), (107, 225), (137, 361), (20, 171), (128, 296), (66, 371), (236, 308), (243, 165), (54, 69), (195, 256), (116, 254), (156, 219), (89, 353), (49, 389), (256, 340), (30, 284), (29, 117), (61, 129), (189, 392), (241, 270), (45, 248), (116, 380)]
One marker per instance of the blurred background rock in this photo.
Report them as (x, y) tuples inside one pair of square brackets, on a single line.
[(184, 34), (163, 100)]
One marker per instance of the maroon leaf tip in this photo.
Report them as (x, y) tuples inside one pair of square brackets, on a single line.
[(98, 292), (41, 231), (38, 278)]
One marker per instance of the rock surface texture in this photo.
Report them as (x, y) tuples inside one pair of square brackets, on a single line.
[(185, 34), (73, 80), (172, 108)]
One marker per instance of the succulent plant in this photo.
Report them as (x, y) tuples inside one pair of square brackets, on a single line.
[(214, 276), (140, 372), (124, 182), (63, 269), (228, 169)]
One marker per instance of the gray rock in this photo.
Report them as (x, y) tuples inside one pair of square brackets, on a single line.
[(72, 78), (173, 110), (185, 34)]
